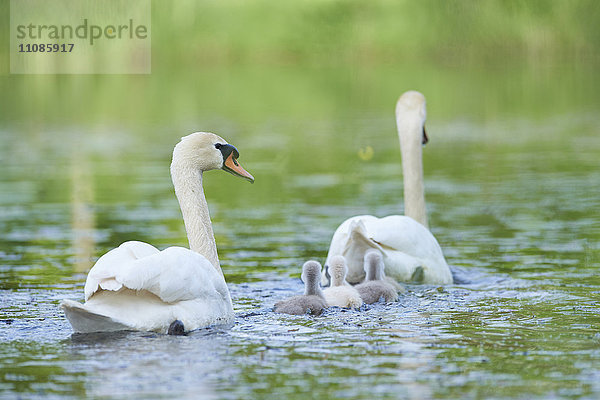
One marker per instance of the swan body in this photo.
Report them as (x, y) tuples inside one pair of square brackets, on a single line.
[(137, 287), (149, 290), (339, 293), (374, 288), (409, 250), (312, 301)]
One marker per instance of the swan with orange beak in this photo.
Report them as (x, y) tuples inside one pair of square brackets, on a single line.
[(137, 287), (231, 164)]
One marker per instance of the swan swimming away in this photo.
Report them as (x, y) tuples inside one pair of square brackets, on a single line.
[(312, 301), (137, 287), (340, 294), (410, 251), (374, 288)]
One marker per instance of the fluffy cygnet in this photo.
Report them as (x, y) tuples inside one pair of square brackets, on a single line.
[(312, 301), (341, 294), (374, 287)]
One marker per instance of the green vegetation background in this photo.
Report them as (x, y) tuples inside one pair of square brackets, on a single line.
[(248, 61)]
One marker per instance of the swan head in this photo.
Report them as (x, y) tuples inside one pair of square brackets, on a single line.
[(206, 151), (337, 270), (311, 271), (373, 265), (412, 112)]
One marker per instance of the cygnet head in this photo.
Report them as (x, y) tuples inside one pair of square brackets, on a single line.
[(337, 270), (311, 271), (373, 265), (411, 114), (204, 151)]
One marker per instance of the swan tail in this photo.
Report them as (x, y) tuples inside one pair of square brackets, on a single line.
[(359, 236), (357, 244), (358, 230), (85, 321)]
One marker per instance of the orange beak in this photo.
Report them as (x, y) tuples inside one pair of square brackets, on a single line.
[(232, 166)]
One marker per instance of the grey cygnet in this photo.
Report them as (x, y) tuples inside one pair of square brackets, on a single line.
[(374, 287), (312, 301)]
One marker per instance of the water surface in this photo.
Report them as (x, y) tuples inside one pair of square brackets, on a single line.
[(512, 200)]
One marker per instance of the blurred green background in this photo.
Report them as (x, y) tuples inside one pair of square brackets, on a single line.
[(253, 61)]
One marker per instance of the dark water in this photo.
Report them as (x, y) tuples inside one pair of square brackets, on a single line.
[(513, 201)]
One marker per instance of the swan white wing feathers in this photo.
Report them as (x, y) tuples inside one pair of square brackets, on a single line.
[(404, 243), (103, 273), (138, 287), (401, 233), (174, 274)]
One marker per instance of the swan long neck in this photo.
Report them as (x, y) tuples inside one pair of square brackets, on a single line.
[(411, 134), (190, 194)]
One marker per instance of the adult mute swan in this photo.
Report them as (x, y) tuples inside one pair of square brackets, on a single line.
[(138, 287), (339, 293), (410, 252), (312, 301)]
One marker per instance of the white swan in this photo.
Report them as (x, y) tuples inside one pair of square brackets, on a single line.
[(312, 301), (410, 252), (138, 287), (339, 293)]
